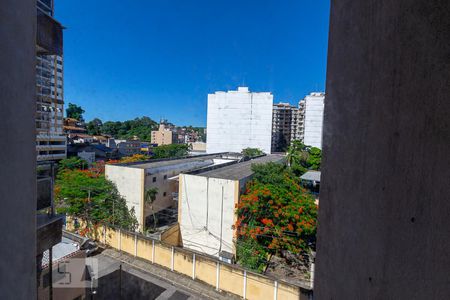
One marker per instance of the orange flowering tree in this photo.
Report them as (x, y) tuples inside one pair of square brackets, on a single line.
[(276, 213)]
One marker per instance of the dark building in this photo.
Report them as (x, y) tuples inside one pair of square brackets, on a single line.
[(384, 222), (285, 119), (18, 159)]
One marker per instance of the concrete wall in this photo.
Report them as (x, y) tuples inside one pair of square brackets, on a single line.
[(314, 108), (219, 275), (203, 217), (384, 208), (238, 120), (130, 184), (18, 157)]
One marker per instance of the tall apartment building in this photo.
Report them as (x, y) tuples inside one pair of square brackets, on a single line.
[(165, 135), (239, 119), (50, 139), (299, 133), (285, 122), (314, 106)]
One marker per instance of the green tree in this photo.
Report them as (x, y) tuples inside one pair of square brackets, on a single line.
[(252, 152), (139, 127), (269, 173), (301, 158), (149, 198), (86, 194), (94, 127), (171, 151), (72, 163), (314, 158), (75, 112)]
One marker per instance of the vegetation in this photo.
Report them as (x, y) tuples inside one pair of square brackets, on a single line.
[(252, 152), (72, 163), (134, 158), (139, 127), (94, 127), (171, 151), (89, 195), (302, 158), (75, 112), (149, 198), (275, 215)]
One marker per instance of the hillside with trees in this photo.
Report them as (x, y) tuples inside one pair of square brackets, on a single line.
[(139, 127)]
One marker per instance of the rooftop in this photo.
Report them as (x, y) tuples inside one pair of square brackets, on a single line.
[(157, 163), (311, 176), (240, 170)]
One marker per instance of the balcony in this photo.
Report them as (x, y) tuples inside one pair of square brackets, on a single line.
[(48, 231), (48, 225), (44, 193), (49, 36)]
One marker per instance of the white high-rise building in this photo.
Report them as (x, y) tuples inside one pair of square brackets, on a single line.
[(314, 105), (238, 120)]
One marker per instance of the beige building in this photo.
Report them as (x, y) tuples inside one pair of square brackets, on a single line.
[(207, 199), (164, 136), (134, 179)]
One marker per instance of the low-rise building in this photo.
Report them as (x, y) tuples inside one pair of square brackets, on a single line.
[(134, 179), (165, 135), (101, 151), (207, 204), (128, 148)]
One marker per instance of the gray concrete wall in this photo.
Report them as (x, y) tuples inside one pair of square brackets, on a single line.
[(18, 156), (384, 219)]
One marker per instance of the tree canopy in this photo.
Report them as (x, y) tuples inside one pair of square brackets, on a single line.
[(94, 127), (252, 152), (89, 195), (72, 163), (75, 112), (140, 127), (302, 158), (275, 214), (173, 150)]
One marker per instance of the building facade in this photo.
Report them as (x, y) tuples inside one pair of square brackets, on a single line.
[(207, 205), (239, 119), (165, 135), (50, 139), (128, 148), (134, 179), (314, 106), (285, 119)]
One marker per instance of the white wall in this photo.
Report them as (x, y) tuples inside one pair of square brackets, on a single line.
[(130, 184), (239, 119), (200, 213), (314, 105)]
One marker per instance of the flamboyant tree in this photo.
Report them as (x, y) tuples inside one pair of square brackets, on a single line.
[(275, 214)]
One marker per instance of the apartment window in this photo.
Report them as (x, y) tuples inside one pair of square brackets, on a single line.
[(165, 177), (164, 194), (154, 179)]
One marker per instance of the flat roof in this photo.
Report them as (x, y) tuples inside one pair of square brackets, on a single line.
[(240, 170), (156, 163), (311, 176)]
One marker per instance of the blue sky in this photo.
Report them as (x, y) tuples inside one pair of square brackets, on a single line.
[(160, 58)]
